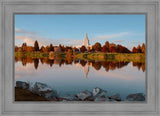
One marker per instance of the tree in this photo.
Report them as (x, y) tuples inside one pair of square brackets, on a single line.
[(30, 49), (24, 47), (112, 49), (47, 49), (36, 46), (139, 49), (51, 48), (16, 48), (143, 48), (107, 44), (42, 49), (105, 49), (134, 50), (97, 46), (76, 49), (83, 49)]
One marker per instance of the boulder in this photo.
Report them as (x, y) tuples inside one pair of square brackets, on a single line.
[(136, 97), (100, 99), (115, 97), (43, 90), (70, 98), (84, 95), (99, 94), (22, 85)]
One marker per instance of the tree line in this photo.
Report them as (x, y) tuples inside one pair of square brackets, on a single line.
[(97, 47)]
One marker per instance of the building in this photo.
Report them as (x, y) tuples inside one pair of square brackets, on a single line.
[(86, 41)]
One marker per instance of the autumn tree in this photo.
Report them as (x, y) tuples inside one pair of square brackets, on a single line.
[(134, 50), (97, 46), (30, 49), (24, 47), (143, 48), (83, 49), (47, 49), (76, 49), (105, 49), (112, 49), (16, 48), (139, 49), (107, 44), (51, 48), (42, 49), (36, 46)]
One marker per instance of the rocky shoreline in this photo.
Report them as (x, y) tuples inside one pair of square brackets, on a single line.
[(42, 92)]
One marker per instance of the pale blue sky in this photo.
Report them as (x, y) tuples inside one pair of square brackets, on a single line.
[(128, 30)]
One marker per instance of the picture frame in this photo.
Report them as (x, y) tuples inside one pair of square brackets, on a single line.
[(10, 7)]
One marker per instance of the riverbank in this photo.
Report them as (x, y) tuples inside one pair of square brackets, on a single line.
[(98, 56)]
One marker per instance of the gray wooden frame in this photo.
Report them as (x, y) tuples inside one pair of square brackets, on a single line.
[(7, 10)]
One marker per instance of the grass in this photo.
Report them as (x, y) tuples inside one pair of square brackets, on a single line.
[(98, 56), (138, 57), (31, 54)]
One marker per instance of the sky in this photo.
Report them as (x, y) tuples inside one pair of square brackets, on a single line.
[(70, 29)]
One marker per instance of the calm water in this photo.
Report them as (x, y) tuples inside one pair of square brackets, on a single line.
[(69, 77)]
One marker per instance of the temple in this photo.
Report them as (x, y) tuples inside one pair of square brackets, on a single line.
[(86, 41)]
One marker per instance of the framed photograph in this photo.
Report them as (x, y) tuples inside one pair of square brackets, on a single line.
[(79, 57)]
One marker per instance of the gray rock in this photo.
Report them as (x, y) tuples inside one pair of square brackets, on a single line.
[(99, 94), (43, 90), (83, 95), (100, 99), (70, 98), (115, 97), (22, 85), (136, 97)]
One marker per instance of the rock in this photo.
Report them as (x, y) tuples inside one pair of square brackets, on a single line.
[(83, 95), (70, 98), (136, 97), (22, 85), (99, 94), (100, 99), (43, 90), (115, 97)]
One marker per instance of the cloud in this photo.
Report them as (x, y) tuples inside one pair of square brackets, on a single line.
[(31, 37), (46, 41), (104, 37), (136, 42), (24, 32), (118, 41)]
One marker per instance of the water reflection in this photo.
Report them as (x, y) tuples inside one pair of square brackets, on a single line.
[(70, 76), (108, 65)]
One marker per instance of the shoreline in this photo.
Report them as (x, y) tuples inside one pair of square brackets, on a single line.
[(98, 56)]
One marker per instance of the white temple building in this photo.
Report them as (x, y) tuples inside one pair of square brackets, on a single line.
[(85, 42)]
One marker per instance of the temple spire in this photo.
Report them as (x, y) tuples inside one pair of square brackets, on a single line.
[(86, 41), (86, 36)]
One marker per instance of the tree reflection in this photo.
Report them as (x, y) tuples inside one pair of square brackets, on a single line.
[(36, 62), (97, 65)]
